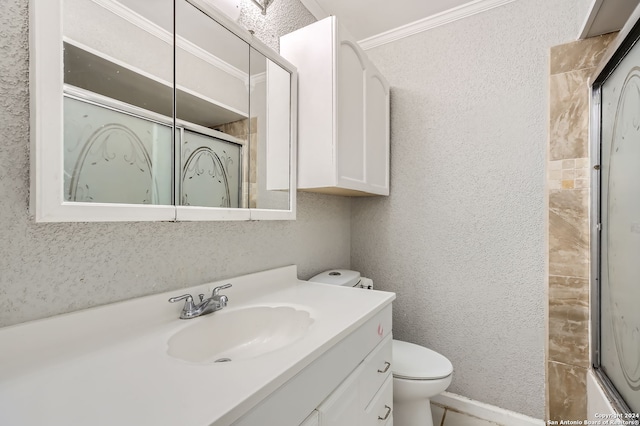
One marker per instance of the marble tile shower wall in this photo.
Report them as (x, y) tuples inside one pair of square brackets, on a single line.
[(571, 66), (239, 129)]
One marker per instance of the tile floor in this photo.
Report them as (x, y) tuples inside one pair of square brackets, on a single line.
[(447, 417)]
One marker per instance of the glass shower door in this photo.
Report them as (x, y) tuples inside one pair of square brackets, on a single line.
[(620, 233)]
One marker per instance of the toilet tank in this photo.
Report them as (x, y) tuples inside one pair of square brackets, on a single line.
[(343, 277)]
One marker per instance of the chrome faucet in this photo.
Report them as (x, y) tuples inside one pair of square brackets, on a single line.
[(206, 306)]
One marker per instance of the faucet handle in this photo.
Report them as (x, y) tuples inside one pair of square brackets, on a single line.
[(188, 301), (223, 301), (217, 289)]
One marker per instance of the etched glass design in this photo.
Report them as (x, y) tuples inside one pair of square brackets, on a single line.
[(114, 157), (210, 171), (620, 238)]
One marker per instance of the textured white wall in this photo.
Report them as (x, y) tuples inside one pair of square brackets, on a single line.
[(283, 17), (461, 239), (47, 269)]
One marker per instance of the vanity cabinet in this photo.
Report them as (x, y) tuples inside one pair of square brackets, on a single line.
[(162, 371), (343, 117), (349, 385), (365, 398), (312, 420)]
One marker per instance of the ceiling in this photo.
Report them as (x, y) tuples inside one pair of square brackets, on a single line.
[(368, 20), (381, 15)]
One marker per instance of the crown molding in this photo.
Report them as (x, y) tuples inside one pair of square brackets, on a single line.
[(433, 21), (316, 10)]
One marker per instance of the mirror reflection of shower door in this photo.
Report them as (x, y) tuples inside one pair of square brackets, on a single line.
[(211, 171), (118, 101), (112, 156), (212, 102), (620, 237)]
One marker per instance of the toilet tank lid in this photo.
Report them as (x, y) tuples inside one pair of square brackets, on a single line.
[(412, 361), (343, 277)]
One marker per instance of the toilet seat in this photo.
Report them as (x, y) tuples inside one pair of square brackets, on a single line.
[(415, 362)]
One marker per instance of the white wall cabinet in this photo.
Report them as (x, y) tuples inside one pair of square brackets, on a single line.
[(343, 117)]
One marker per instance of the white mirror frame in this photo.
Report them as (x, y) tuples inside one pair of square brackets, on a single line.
[(47, 203)]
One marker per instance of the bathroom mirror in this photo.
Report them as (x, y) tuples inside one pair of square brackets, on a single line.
[(212, 64), (117, 104), (269, 134), (161, 110)]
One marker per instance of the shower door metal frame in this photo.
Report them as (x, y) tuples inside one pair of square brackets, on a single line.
[(628, 37)]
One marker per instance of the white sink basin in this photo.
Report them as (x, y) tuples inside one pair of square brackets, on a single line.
[(236, 334)]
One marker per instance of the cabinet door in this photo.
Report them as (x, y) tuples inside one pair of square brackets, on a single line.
[(312, 420), (351, 78), (342, 407), (376, 369), (380, 409), (377, 132)]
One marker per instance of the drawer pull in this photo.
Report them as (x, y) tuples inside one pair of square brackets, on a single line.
[(386, 416), (386, 367)]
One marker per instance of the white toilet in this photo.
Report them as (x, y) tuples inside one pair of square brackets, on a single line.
[(418, 373)]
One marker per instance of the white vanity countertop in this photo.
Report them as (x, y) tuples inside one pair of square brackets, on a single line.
[(109, 365)]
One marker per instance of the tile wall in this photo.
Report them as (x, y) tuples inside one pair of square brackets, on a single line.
[(245, 130), (571, 66)]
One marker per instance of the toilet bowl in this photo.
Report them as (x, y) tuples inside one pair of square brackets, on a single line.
[(418, 373)]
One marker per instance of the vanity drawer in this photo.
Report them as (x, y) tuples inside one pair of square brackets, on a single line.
[(376, 369), (312, 420), (380, 410)]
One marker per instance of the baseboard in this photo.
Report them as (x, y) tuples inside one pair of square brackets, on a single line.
[(484, 411)]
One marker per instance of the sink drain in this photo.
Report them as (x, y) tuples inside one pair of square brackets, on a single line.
[(222, 360)]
